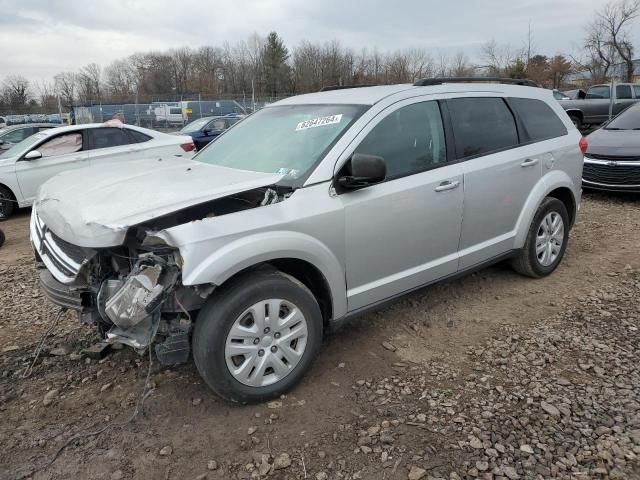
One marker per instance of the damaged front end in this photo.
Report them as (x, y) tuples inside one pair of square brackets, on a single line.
[(133, 293)]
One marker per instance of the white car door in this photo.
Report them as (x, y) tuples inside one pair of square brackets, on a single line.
[(58, 153), (111, 144)]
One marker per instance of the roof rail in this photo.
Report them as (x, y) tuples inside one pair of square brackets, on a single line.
[(343, 87), (425, 82)]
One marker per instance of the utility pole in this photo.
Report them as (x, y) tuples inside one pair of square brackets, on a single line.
[(60, 109)]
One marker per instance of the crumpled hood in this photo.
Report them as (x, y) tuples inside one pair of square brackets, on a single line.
[(615, 142), (93, 207)]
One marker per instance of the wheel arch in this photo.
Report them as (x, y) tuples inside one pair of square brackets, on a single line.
[(299, 255), (565, 195), (555, 184), (303, 271)]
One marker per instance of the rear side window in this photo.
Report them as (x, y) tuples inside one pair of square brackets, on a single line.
[(636, 89), (410, 139), (138, 137), (623, 91), (482, 125), (539, 119), (108, 137)]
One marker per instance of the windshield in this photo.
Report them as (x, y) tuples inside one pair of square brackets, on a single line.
[(23, 146), (627, 120), (195, 125), (284, 139)]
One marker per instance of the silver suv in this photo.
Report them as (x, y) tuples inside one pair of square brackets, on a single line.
[(304, 214)]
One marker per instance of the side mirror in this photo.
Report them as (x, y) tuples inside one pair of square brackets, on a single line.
[(33, 155), (363, 170)]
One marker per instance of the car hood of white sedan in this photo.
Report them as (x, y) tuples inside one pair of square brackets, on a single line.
[(94, 207)]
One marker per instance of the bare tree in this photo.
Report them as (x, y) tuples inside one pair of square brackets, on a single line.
[(46, 92), (89, 83), (15, 90), (460, 66), (614, 20), (65, 85), (601, 53)]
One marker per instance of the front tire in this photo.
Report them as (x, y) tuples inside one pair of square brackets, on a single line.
[(546, 241), (257, 336), (7, 203)]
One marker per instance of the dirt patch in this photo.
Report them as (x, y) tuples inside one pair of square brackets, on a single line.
[(364, 411)]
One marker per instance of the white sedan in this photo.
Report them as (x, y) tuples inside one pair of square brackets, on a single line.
[(28, 164)]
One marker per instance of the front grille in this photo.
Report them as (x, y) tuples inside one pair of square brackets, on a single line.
[(619, 174), (72, 251), (61, 258), (617, 158)]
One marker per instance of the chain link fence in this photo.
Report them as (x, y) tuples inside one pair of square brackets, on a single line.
[(168, 112)]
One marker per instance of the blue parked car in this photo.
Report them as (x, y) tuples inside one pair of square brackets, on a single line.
[(206, 129)]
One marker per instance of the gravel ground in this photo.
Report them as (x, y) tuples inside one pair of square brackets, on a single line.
[(493, 376)]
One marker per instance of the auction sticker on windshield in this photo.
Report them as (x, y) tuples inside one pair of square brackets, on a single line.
[(319, 122)]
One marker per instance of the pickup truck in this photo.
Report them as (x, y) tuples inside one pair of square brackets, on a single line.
[(593, 109)]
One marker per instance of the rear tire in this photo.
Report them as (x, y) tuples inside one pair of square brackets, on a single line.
[(546, 241), (2, 238), (257, 360), (7, 203)]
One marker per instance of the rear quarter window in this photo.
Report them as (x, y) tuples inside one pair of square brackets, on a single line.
[(539, 119), (138, 137)]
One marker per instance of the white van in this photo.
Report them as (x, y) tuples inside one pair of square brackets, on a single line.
[(168, 113)]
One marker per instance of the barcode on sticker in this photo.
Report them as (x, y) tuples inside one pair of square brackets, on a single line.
[(319, 122)]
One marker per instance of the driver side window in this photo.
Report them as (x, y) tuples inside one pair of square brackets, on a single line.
[(61, 145), (410, 139)]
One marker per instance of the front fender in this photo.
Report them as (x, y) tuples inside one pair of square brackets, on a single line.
[(551, 181), (223, 263)]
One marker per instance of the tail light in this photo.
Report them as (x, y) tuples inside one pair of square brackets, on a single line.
[(188, 147), (584, 144)]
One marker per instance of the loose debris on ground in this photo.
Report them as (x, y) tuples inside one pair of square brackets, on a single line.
[(492, 377)]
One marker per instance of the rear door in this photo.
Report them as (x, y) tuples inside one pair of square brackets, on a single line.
[(110, 144), (498, 175), (60, 153)]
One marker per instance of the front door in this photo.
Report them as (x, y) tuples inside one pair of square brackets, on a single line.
[(404, 232), (58, 154)]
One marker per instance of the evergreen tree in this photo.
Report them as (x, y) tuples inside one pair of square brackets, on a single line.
[(276, 68)]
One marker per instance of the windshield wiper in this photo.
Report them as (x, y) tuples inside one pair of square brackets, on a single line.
[(613, 128)]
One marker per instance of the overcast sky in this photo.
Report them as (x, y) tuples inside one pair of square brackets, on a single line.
[(39, 38)]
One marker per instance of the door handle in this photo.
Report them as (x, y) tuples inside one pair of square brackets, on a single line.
[(529, 162), (447, 185)]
